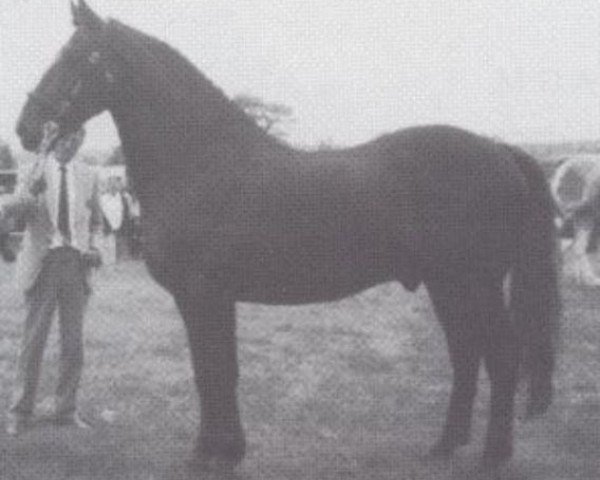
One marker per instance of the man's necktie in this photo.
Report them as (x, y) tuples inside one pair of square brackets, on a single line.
[(63, 205)]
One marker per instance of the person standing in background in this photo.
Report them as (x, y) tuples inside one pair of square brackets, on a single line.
[(131, 224), (111, 202)]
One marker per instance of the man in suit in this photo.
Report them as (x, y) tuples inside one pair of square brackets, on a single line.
[(58, 200)]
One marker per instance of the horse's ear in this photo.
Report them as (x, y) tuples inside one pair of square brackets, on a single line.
[(83, 15)]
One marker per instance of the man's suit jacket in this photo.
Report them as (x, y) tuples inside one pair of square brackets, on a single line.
[(39, 210)]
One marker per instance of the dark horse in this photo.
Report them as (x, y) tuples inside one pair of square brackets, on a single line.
[(231, 214)]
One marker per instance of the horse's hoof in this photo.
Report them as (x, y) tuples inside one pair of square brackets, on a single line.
[(212, 463), (489, 472), (536, 409), (438, 454), (220, 453), (209, 469), (445, 447), (441, 451), (494, 459), (540, 399), (197, 464)]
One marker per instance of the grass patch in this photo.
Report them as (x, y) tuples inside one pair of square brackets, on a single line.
[(351, 389)]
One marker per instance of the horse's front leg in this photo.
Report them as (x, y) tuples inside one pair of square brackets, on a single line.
[(209, 317)]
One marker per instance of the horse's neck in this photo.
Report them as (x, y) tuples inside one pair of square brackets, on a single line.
[(137, 140), (163, 147)]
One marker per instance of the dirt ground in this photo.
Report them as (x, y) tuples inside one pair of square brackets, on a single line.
[(352, 389)]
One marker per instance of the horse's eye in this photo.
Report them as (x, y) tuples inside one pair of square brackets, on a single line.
[(94, 58), (64, 105)]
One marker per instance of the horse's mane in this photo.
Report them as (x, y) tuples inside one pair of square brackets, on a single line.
[(191, 102)]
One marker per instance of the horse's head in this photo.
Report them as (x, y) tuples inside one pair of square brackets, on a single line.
[(78, 86)]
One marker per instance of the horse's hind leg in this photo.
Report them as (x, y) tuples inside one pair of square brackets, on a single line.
[(476, 323), (457, 307), (501, 347)]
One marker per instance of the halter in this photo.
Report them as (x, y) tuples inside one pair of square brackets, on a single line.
[(59, 112), (44, 103)]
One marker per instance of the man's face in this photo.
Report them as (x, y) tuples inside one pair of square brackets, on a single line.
[(66, 148)]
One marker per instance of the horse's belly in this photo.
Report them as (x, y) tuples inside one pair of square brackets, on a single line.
[(317, 289), (309, 278)]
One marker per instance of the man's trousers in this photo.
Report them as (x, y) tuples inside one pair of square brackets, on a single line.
[(61, 285)]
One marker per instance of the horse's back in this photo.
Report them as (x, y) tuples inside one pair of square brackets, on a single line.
[(320, 226), (389, 209)]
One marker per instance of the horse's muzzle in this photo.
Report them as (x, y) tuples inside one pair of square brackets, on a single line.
[(29, 140)]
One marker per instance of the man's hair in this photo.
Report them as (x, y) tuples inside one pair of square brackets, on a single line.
[(78, 136)]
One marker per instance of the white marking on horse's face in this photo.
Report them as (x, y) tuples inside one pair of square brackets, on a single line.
[(94, 57)]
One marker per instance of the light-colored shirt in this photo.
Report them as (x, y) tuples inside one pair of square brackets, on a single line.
[(112, 208), (133, 204), (58, 239)]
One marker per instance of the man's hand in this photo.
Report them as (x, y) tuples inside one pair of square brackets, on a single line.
[(35, 181), (51, 130), (92, 258), (38, 186)]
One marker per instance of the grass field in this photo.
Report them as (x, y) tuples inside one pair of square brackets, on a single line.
[(353, 389)]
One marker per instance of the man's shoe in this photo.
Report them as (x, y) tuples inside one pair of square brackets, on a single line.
[(73, 420), (16, 423)]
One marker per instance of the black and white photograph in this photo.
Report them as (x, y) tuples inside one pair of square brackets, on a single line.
[(299, 240)]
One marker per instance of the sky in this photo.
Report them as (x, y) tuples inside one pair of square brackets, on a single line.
[(519, 70)]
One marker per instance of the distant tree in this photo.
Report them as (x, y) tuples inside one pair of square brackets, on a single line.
[(7, 161), (116, 157), (326, 145), (267, 115)]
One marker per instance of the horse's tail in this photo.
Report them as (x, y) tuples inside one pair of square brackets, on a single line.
[(534, 295)]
